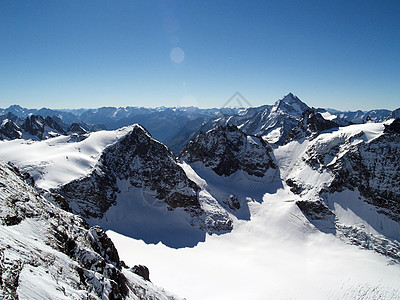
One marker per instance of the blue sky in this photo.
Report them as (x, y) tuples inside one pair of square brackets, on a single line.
[(72, 54)]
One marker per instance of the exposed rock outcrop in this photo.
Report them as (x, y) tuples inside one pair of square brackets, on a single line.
[(226, 149), (310, 125)]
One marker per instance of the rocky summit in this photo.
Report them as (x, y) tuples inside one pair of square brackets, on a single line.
[(226, 149)]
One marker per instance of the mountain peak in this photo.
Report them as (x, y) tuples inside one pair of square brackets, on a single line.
[(290, 99), (290, 95), (227, 149), (292, 104)]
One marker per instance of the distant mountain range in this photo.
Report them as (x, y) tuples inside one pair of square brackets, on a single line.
[(174, 126)]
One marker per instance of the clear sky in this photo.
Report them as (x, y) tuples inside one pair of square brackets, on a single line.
[(72, 54)]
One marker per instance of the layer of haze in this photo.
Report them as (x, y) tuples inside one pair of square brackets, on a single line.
[(72, 54)]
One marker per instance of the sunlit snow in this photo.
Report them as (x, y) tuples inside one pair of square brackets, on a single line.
[(276, 255)]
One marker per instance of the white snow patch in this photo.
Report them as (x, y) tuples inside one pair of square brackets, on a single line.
[(328, 116), (273, 136)]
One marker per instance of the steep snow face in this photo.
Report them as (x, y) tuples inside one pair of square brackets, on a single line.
[(137, 188), (47, 253), (328, 116)]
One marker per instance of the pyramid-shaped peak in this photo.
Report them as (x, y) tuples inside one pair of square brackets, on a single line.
[(294, 102), (290, 98)]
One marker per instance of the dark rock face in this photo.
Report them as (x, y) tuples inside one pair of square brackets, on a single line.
[(373, 168), (142, 271), (10, 130), (36, 126), (315, 210), (49, 121), (233, 202), (362, 239), (310, 125), (144, 163), (76, 128), (103, 245), (295, 187), (227, 149), (93, 194), (151, 164), (393, 127), (394, 114)]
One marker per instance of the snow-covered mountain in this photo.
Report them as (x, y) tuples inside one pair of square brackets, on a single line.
[(271, 122), (227, 149), (286, 192), (9, 130), (313, 230), (137, 188), (33, 127), (348, 182), (311, 124), (23, 113), (48, 253), (359, 116), (122, 180), (176, 126), (36, 127), (231, 167)]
